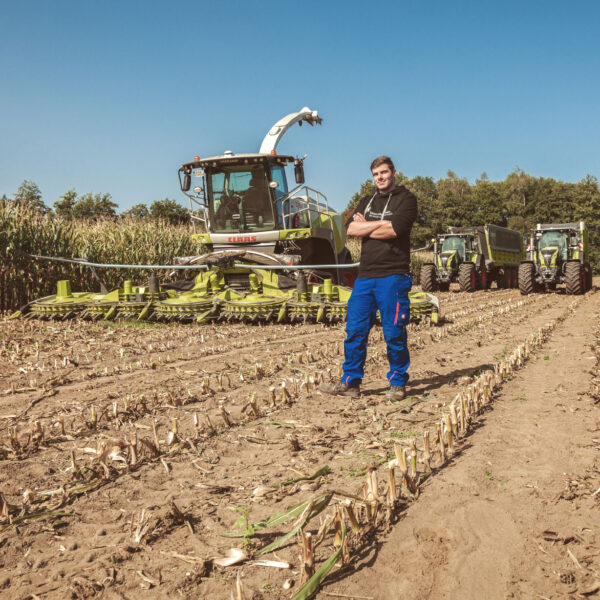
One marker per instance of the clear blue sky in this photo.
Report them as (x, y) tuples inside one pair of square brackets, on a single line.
[(111, 96)]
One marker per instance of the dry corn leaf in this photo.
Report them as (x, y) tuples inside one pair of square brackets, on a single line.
[(277, 564), (230, 557)]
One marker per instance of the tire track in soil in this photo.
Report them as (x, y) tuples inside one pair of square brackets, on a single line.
[(497, 523)]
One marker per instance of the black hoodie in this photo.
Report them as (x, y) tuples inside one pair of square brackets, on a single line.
[(380, 258)]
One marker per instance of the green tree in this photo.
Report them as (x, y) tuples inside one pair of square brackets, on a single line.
[(454, 206), (29, 194), (169, 210), (64, 206), (94, 206), (139, 211), (488, 203)]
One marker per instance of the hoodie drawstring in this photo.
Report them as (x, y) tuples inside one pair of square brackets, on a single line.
[(371, 202)]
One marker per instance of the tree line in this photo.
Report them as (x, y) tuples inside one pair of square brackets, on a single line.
[(519, 202), (95, 206)]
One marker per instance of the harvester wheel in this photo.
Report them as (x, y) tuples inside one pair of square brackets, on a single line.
[(348, 274), (428, 278), (467, 277), (526, 278), (574, 278), (588, 276)]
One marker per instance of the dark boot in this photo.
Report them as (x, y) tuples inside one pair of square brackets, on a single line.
[(339, 389), (396, 393)]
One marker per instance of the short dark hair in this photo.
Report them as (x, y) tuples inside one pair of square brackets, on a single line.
[(383, 160)]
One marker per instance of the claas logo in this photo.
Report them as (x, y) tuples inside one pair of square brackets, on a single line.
[(241, 238)]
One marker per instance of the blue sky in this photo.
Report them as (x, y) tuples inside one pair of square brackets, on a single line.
[(113, 96)]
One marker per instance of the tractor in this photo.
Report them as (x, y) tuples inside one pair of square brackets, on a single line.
[(556, 254)]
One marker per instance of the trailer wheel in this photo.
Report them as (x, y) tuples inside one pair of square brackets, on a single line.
[(588, 276), (483, 278), (574, 278), (501, 279), (526, 278), (508, 278), (428, 278), (467, 277)]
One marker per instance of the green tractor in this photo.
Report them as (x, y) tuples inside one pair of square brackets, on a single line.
[(473, 257), (556, 254)]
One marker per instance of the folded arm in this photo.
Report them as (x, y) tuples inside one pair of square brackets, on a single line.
[(384, 232), (360, 227)]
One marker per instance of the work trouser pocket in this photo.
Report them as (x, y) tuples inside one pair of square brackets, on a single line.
[(401, 310)]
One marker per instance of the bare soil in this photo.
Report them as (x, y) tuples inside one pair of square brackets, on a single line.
[(511, 513)]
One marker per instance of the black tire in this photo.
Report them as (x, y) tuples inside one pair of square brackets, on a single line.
[(347, 275), (512, 278), (467, 277), (428, 278), (588, 276), (484, 281), (526, 278), (574, 278), (501, 279)]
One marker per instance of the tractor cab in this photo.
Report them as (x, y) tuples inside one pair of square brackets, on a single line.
[(553, 248), (454, 245), (455, 250)]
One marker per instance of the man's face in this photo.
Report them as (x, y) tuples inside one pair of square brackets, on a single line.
[(383, 177)]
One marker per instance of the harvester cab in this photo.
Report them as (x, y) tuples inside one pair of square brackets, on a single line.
[(246, 203), (556, 254)]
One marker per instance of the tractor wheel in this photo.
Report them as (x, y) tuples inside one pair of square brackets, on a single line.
[(484, 283), (428, 278), (467, 277), (444, 287), (574, 278), (588, 276), (526, 278)]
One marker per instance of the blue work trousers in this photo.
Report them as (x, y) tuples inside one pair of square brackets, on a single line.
[(390, 296)]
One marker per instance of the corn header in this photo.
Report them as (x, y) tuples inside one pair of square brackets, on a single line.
[(267, 251)]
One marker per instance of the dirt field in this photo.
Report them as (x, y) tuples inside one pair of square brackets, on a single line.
[(127, 451)]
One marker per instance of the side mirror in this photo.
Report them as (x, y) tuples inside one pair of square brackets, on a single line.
[(187, 182), (299, 172)]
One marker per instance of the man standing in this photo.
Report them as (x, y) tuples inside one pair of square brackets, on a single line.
[(384, 222)]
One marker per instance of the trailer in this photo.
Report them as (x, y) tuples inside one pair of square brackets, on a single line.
[(474, 257)]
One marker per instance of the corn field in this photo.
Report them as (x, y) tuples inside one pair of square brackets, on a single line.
[(127, 241)]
